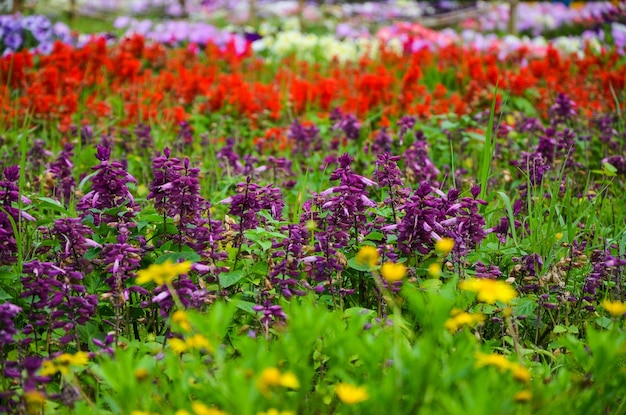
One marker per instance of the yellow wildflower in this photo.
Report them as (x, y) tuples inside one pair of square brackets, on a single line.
[(271, 377), (76, 359), (178, 345), (289, 380), (197, 341), (368, 255), (201, 409), (459, 320), (520, 373), (35, 401), (393, 272), (444, 246), (351, 394), (182, 412), (489, 291), (48, 368), (274, 411), (163, 273), (434, 270), (63, 362), (614, 308), (493, 359), (180, 317), (523, 396), (141, 374)]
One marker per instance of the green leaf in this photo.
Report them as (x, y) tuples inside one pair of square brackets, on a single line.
[(431, 285), (245, 306), (375, 236), (177, 256), (354, 264), (559, 329), (231, 278), (48, 203)]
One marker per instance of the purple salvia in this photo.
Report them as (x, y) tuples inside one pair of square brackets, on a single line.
[(382, 142), (563, 109), (8, 312), (109, 189), (229, 159), (348, 123), (285, 274), (304, 139), (417, 163), (406, 124), (59, 176), (58, 299), (10, 215)]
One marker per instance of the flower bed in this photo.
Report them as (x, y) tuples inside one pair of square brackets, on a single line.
[(204, 230)]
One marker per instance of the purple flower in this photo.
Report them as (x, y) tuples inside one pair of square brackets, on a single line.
[(347, 123), (59, 175), (419, 167), (57, 300), (10, 215), (563, 109), (8, 312), (109, 190), (13, 40), (305, 139), (271, 313), (229, 160)]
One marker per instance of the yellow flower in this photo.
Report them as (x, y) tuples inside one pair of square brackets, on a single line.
[(48, 368), (141, 374), (444, 246), (178, 345), (520, 373), (163, 273), (63, 362), (271, 377), (274, 411), (289, 380), (523, 396), (77, 359), (493, 359), (393, 272), (182, 412), (199, 342), (201, 409), (367, 255), (351, 394), (35, 401), (461, 319), (180, 317), (434, 270), (489, 291), (614, 308)]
